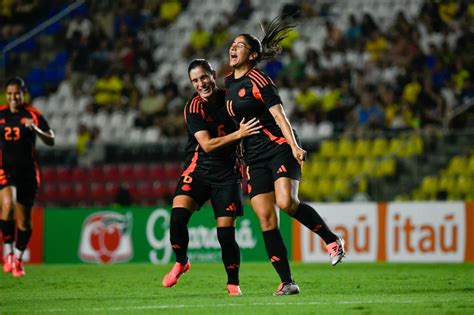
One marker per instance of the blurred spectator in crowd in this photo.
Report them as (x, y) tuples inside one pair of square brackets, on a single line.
[(168, 12), (200, 41), (220, 37), (368, 115), (81, 25), (293, 69), (94, 151), (376, 45), (243, 11), (153, 104), (123, 197), (305, 98), (334, 37), (353, 31), (108, 90)]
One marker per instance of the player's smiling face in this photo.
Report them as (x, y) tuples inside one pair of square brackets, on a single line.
[(239, 53), (15, 96), (203, 82)]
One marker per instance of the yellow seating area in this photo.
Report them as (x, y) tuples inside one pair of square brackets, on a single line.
[(455, 182), (328, 174)]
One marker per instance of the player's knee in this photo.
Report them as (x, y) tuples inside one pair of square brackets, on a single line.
[(24, 225), (268, 223), (288, 204), (8, 206)]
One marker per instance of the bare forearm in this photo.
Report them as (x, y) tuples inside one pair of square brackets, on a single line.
[(214, 144), (46, 136)]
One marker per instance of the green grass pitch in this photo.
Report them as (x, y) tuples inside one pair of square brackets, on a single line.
[(136, 289)]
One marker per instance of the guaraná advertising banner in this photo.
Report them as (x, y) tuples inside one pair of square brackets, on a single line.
[(142, 235)]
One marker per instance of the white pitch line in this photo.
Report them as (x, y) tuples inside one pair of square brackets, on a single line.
[(194, 306)]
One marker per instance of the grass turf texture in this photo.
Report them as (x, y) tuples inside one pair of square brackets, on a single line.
[(136, 289)]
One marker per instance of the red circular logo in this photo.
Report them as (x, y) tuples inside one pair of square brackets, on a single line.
[(242, 92), (186, 187)]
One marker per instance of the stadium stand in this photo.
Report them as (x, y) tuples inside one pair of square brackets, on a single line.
[(390, 84)]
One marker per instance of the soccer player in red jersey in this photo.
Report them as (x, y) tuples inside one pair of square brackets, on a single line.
[(274, 157), (209, 173), (20, 124)]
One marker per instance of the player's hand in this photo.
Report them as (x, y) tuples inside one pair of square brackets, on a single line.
[(250, 127), (299, 154), (29, 123)]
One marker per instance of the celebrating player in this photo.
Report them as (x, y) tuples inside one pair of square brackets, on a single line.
[(274, 158), (20, 123), (209, 173)]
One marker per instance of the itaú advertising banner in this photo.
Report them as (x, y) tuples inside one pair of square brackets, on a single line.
[(356, 223), (426, 231), (393, 232)]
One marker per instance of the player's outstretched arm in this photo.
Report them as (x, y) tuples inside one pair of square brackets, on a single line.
[(46, 136)]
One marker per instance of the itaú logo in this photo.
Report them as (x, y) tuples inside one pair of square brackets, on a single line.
[(106, 238), (411, 236)]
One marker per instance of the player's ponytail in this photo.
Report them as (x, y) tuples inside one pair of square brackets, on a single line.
[(276, 31)]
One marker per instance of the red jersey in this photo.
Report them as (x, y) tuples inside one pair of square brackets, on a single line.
[(218, 167), (16, 140), (251, 96)]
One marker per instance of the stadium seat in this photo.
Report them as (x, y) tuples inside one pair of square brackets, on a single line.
[(446, 183), (80, 174), (397, 147), (342, 188), (98, 194), (362, 147), (155, 172), (96, 173), (126, 172), (325, 188), (81, 194), (66, 193), (457, 165), (352, 167), (172, 171), (429, 187), (111, 172), (345, 147), (387, 167), (335, 168), (307, 188), (328, 148), (470, 165), (48, 174), (369, 166), (49, 193), (64, 174), (463, 185), (414, 145), (380, 147), (140, 171), (318, 168)]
